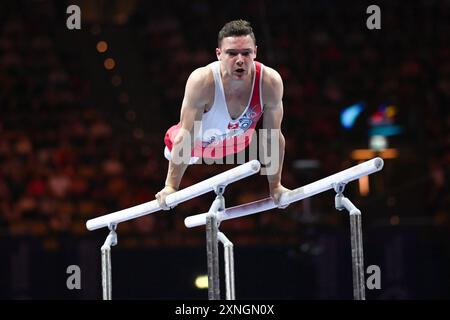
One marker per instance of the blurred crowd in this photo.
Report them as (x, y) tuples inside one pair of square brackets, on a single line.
[(60, 163)]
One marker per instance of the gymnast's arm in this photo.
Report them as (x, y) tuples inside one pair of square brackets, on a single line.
[(194, 103), (273, 116)]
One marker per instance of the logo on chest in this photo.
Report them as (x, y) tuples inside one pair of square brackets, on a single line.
[(246, 120)]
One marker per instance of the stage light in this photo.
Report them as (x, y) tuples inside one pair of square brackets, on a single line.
[(102, 46), (109, 63), (201, 282), (350, 114)]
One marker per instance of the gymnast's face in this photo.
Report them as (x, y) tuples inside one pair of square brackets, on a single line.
[(236, 55)]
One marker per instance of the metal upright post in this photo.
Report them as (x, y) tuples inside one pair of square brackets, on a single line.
[(111, 240), (212, 249), (342, 203), (229, 266), (357, 255)]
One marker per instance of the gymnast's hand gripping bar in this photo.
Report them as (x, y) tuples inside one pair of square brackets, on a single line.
[(363, 169), (175, 198)]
